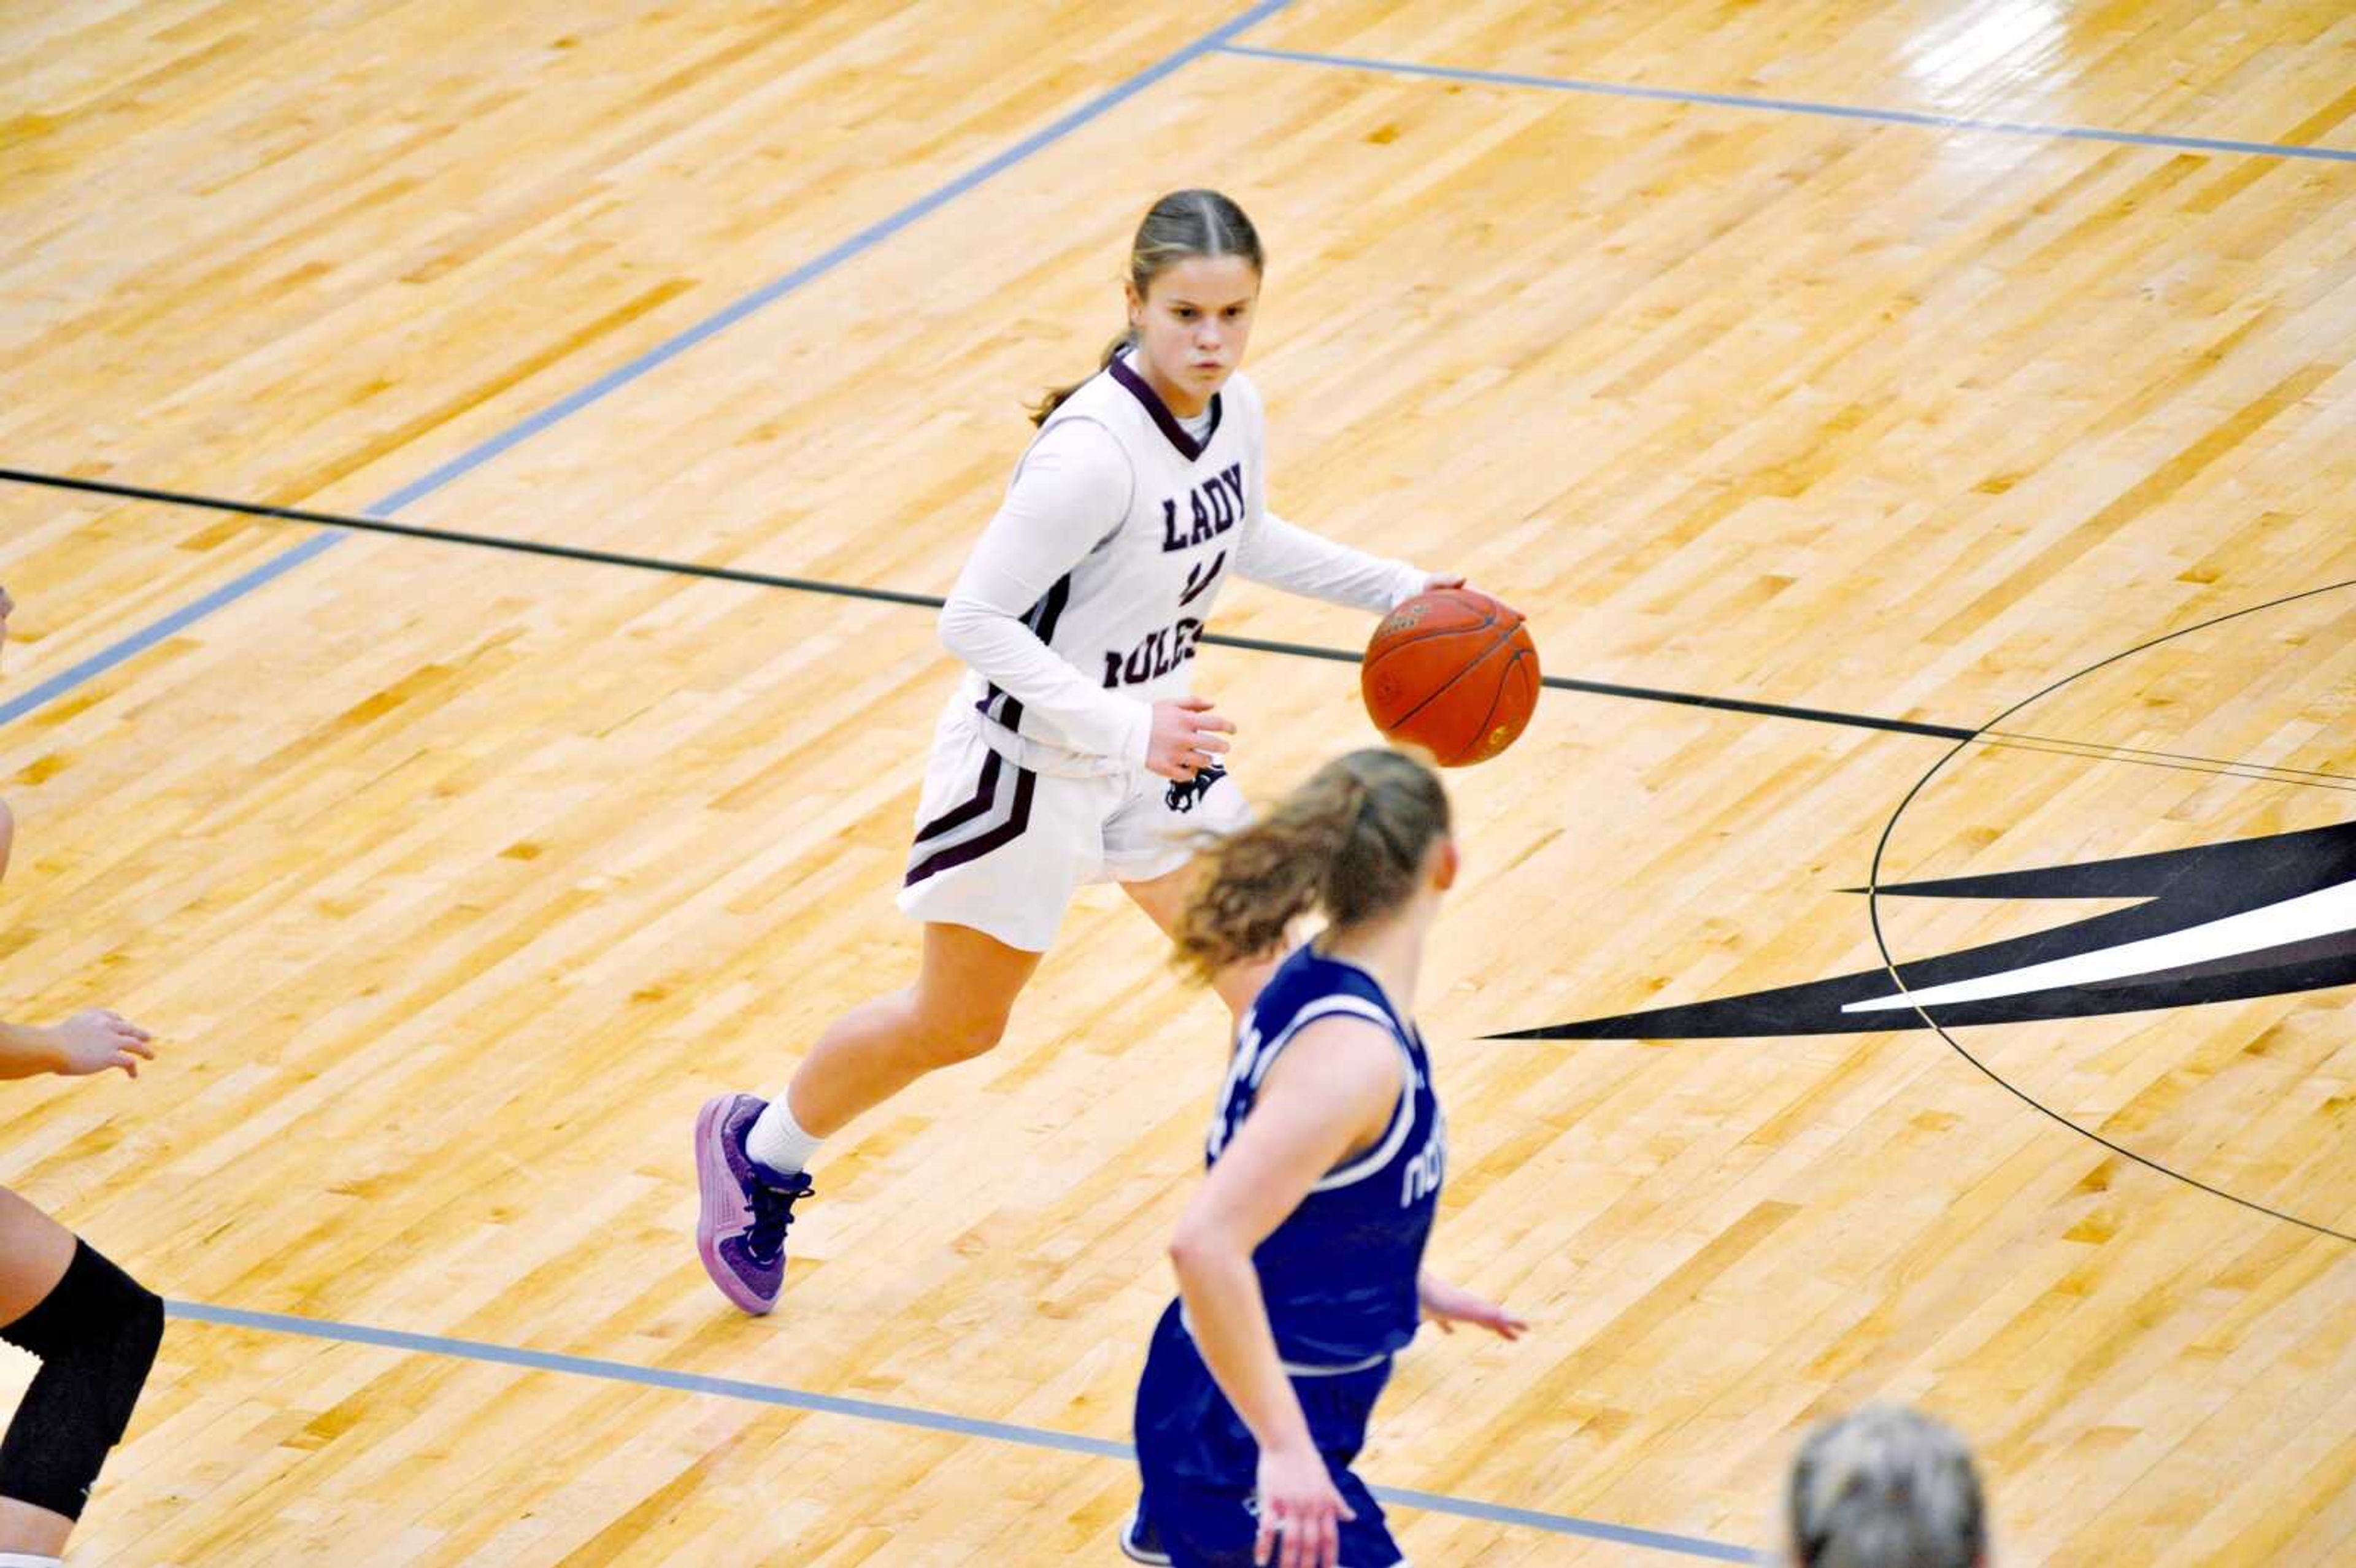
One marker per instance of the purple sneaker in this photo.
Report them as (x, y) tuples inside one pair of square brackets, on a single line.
[(740, 1232)]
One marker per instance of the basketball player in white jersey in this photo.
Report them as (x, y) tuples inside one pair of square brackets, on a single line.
[(1073, 752)]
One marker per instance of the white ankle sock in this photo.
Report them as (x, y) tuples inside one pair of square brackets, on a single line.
[(777, 1141), (26, 1560)]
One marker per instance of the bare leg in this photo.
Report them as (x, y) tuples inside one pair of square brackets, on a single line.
[(1165, 897), (34, 1252), (956, 1011)]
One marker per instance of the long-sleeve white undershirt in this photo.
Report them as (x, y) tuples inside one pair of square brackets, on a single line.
[(1071, 492), (1285, 555)]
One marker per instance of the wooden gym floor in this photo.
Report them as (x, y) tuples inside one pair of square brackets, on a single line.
[(1876, 366)]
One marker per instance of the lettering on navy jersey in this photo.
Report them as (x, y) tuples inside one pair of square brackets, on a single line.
[(1213, 508), (1422, 1176)]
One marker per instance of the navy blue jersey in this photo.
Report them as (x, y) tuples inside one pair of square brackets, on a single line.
[(1339, 1273)]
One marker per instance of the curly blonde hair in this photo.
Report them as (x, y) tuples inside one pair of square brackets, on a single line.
[(1352, 841)]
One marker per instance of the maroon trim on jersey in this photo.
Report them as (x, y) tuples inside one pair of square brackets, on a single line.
[(1003, 706), (1188, 447)]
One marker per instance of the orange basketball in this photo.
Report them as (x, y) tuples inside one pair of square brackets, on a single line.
[(1452, 671)]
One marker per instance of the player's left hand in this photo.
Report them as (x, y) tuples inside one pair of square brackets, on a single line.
[(1435, 581), (1448, 1305), (97, 1038), (1299, 1509)]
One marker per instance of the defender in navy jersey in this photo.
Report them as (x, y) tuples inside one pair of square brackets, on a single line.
[(1074, 751), (1301, 1261)]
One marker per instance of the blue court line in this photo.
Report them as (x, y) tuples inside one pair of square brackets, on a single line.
[(139, 642), (819, 266), (1796, 106), (896, 1415), (662, 352)]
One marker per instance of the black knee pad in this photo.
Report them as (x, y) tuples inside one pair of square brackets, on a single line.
[(96, 1334)]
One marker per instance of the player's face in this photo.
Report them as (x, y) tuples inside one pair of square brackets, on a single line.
[(1193, 323)]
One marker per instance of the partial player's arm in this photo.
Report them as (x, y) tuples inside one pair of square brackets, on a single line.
[(90, 1042), (1331, 1094), (1448, 1305), (1072, 491), (1285, 555)]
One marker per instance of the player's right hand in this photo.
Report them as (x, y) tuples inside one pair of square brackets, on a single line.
[(1185, 738), (1299, 1504), (95, 1039), (1448, 1305)]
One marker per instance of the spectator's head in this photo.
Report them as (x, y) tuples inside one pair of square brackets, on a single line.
[(1886, 1488)]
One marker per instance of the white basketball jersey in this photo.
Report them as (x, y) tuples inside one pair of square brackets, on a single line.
[(1131, 613)]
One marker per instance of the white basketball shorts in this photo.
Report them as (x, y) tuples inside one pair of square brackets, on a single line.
[(1002, 848)]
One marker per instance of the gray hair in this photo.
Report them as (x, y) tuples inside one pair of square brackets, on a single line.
[(1886, 1488)]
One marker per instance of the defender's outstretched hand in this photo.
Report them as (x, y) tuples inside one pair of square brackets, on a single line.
[(95, 1039), (1448, 1305)]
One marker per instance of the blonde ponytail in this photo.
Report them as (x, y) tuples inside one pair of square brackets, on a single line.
[(1053, 399)]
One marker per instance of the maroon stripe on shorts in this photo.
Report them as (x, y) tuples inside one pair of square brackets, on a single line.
[(998, 837), (958, 816)]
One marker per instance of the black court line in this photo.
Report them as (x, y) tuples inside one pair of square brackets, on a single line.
[(624, 375), (2301, 778), (359, 524), (1874, 884), (1646, 693), (2002, 740), (2131, 753)]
